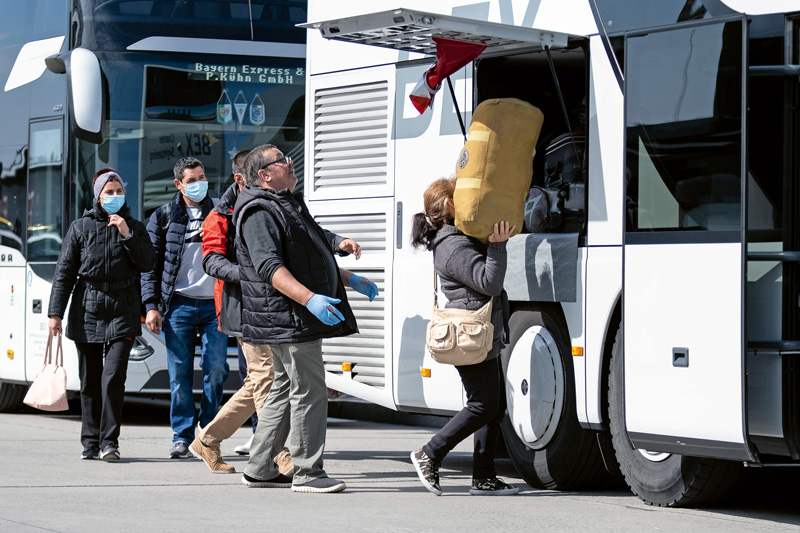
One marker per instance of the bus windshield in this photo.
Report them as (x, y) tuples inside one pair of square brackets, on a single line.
[(115, 24), (166, 106)]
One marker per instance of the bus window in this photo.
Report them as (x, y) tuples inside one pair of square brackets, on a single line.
[(33, 20), (683, 107), (13, 165), (44, 192), (108, 24)]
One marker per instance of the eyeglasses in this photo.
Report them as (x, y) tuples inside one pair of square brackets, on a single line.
[(286, 159)]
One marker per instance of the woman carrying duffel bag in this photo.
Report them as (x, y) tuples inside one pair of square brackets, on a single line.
[(472, 275)]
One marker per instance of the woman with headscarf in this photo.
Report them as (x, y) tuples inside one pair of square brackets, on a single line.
[(101, 258)]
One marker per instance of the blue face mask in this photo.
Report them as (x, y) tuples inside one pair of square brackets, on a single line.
[(196, 190), (112, 204)]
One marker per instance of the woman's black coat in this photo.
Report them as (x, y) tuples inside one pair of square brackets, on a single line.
[(103, 268)]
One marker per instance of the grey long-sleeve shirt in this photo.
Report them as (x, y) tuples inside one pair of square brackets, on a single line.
[(471, 272)]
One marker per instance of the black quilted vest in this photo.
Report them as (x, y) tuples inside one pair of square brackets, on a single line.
[(269, 317)]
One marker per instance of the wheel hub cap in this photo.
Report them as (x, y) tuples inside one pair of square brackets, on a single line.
[(535, 387)]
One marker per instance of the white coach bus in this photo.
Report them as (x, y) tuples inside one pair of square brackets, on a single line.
[(135, 85), (656, 331)]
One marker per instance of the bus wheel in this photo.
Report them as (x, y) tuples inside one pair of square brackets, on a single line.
[(11, 397), (663, 479), (544, 440)]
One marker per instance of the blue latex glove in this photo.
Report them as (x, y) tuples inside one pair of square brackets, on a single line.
[(322, 307), (364, 286)]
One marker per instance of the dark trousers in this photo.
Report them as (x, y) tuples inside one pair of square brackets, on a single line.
[(102, 390), (486, 405), (242, 375)]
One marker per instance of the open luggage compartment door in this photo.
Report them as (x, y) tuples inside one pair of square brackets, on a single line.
[(413, 31)]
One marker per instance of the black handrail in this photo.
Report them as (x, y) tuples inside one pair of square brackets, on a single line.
[(775, 70), (785, 257), (783, 346)]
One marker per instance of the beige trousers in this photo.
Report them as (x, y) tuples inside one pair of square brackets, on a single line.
[(247, 400)]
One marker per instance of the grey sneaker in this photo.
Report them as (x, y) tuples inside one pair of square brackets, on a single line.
[(492, 487), (179, 450), (109, 453), (321, 485), (427, 470), (90, 453), (278, 482)]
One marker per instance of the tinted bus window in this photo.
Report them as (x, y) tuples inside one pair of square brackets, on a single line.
[(31, 20), (45, 204), (108, 25), (683, 107)]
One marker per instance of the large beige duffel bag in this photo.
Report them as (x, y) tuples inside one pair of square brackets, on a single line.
[(495, 167)]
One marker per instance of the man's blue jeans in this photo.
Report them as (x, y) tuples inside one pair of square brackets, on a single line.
[(185, 319)]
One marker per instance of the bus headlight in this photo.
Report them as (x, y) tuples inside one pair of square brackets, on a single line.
[(140, 350)]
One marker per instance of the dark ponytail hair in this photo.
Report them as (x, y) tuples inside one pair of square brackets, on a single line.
[(427, 224)]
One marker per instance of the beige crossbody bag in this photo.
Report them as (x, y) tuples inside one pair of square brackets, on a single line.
[(458, 336)]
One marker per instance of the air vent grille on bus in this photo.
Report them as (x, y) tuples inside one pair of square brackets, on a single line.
[(368, 229), (351, 125), (366, 351)]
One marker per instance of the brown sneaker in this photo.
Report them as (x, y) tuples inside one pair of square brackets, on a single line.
[(284, 462), (211, 457)]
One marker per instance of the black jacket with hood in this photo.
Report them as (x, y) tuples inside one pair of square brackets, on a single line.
[(284, 239), (103, 268)]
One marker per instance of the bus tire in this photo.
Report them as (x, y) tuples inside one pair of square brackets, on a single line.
[(660, 479), (545, 443), (11, 397)]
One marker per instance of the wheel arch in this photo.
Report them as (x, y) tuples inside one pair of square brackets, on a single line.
[(554, 309), (613, 324)]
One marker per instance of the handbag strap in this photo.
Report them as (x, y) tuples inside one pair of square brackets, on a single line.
[(48, 351), (435, 290), (59, 353)]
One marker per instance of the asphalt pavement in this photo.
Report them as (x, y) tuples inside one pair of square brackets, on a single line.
[(44, 486)]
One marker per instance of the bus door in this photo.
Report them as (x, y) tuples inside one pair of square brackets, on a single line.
[(684, 252), (45, 231), (423, 148)]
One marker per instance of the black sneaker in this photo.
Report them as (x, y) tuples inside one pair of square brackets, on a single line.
[(427, 470), (179, 450), (278, 482), (109, 453), (492, 487), (90, 453)]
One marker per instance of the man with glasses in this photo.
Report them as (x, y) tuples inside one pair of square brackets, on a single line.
[(293, 296)]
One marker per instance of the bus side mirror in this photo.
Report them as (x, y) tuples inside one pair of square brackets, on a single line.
[(87, 97)]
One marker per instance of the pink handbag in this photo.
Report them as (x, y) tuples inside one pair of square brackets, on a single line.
[(48, 391)]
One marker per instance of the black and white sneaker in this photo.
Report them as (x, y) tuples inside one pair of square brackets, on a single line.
[(109, 453), (278, 482), (492, 487), (427, 470), (90, 453)]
